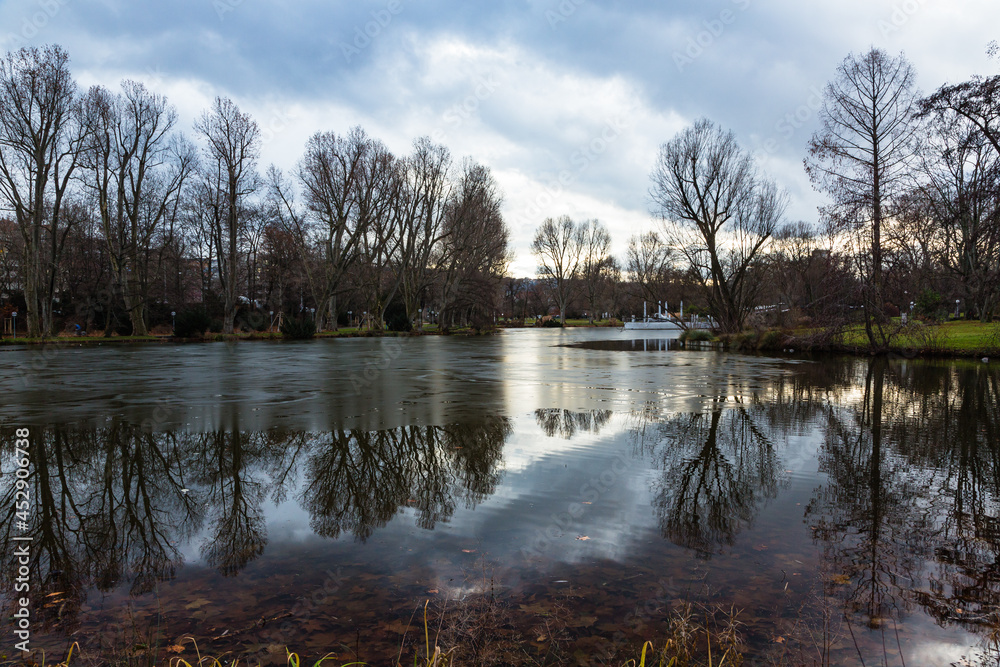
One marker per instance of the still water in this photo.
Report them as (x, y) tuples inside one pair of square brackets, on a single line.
[(556, 497)]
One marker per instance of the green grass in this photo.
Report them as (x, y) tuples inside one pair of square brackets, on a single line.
[(697, 336), (956, 337)]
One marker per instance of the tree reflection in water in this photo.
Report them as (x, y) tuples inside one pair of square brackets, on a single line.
[(566, 423), (718, 467), (905, 514), (356, 481), (111, 505), (909, 513)]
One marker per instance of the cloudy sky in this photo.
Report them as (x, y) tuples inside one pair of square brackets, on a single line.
[(566, 100)]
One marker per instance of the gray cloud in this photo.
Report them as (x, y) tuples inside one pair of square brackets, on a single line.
[(559, 71)]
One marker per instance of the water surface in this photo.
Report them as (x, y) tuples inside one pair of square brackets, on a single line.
[(571, 490)]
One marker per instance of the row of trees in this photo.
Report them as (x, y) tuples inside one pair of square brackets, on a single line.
[(914, 183), (114, 217), (111, 209), (913, 214)]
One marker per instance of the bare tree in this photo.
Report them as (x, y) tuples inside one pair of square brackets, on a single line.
[(559, 246), (229, 177), (977, 100), (720, 212), (648, 262), (474, 253), (596, 263), (959, 193), (381, 191), (332, 177), (40, 138), (137, 173), (427, 189), (861, 158)]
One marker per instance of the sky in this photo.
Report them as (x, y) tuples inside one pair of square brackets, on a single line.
[(567, 101)]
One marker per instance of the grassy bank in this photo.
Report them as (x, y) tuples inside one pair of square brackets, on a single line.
[(948, 339)]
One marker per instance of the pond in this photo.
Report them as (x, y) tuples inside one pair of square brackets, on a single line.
[(553, 497)]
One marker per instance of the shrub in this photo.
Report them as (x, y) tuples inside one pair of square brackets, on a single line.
[(298, 329), (552, 323), (928, 304), (253, 321), (771, 339), (396, 319), (696, 336), (191, 323)]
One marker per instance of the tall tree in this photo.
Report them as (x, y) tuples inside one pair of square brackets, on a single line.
[(229, 177), (40, 138), (474, 253), (860, 158), (558, 246), (427, 189), (648, 262), (720, 211), (959, 191), (977, 100), (137, 173), (331, 175), (596, 263)]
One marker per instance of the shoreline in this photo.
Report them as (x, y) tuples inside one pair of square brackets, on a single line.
[(782, 341)]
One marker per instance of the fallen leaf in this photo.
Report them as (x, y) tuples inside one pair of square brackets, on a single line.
[(432, 591), (779, 640), (176, 648)]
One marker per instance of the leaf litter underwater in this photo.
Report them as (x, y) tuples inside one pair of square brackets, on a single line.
[(846, 508)]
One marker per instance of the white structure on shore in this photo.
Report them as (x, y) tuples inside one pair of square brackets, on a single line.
[(663, 319)]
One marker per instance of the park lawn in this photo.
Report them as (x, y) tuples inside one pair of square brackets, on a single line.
[(959, 336)]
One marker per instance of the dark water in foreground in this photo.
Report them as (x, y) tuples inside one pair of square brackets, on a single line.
[(561, 500)]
